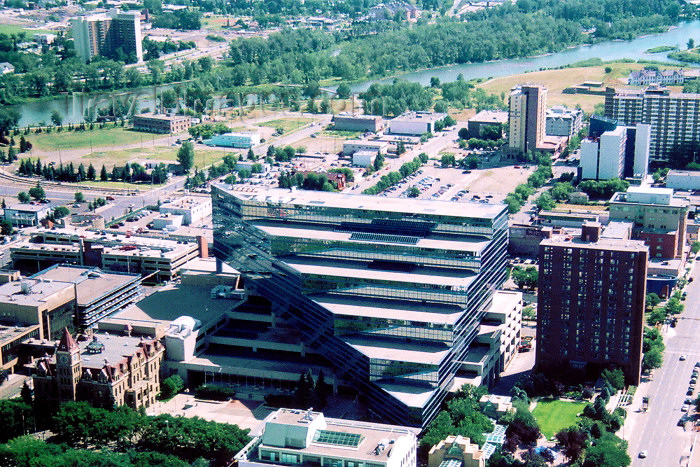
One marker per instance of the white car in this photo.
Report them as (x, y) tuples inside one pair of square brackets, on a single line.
[(683, 357), (642, 454)]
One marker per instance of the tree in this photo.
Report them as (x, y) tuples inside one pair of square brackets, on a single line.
[(615, 377), (545, 202), (607, 453), (103, 174), (434, 82), (56, 118), (691, 43), (524, 277), (79, 197), (573, 441), (37, 192), (652, 300), (185, 156), (91, 172), (652, 359), (447, 160), (23, 197), (60, 212), (251, 155), (695, 247), (343, 91), (6, 227), (171, 386), (400, 148)]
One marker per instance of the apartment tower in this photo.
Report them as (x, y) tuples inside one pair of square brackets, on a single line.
[(108, 35), (591, 303), (674, 116), (527, 118)]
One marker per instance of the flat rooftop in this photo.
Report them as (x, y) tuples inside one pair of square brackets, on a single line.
[(399, 351), (359, 270), (505, 299), (187, 202), (358, 117), (10, 333), (473, 245), (38, 293), (387, 308), (419, 117), (172, 301), (163, 117), (602, 244), (116, 348), (368, 436), (490, 116), (91, 283), (412, 396), (368, 203)]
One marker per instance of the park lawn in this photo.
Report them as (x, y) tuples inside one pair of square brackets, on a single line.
[(202, 157), (98, 138), (17, 28), (120, 185), (287, 124), (555, 415)]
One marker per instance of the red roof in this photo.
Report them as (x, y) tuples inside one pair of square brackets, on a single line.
[(67, 343)]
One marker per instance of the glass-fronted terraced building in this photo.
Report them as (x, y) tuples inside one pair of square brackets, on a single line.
[(390, 291)]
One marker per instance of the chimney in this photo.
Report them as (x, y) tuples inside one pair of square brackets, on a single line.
[(219, 266), (203, 246), (590, 231)]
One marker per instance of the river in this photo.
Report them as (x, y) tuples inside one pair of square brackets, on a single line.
[(34, 113)]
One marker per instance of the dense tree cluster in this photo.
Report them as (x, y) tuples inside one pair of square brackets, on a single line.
[(396, 98), (603, 189)]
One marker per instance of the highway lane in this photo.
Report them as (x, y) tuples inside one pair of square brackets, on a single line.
[(656, 431)]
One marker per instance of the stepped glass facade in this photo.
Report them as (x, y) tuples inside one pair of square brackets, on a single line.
[(390, 291)]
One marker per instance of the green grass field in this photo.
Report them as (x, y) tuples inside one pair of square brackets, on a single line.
[(98, 138), (287, 124), (202, 157), (555, 415), (17, 28)]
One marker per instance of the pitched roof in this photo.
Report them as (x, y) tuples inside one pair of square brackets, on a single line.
[(67, 343)]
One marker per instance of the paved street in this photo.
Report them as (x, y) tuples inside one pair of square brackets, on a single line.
[(656, 431)]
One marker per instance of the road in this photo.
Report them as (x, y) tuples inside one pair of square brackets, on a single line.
[(656, 431)]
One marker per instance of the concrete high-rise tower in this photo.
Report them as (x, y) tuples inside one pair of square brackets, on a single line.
[(527, 118)]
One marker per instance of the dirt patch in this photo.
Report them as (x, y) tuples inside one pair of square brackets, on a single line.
[(499, 181)]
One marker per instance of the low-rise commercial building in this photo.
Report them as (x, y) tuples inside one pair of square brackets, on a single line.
[(350, 147), (244, 140), (486, 118), (102, 369), (363, 158), (192, 208), (26, 215), (98, 294), (161, 123), (51, 305), (683, 180), (156, 259), (415, 123), (303, 437), (344, 122), (456, 451), (11, 338), (659, 218), (563, 121)]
